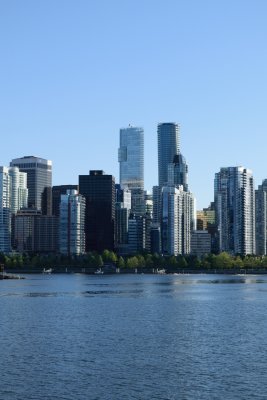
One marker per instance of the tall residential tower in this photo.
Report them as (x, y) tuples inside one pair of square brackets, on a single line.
[(5, 210), (235, 210), (261, 218), (71, 223)]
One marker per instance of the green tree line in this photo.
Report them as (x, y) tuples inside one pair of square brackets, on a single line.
[(222, 261)]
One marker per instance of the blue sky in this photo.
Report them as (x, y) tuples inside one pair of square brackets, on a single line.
[(72, 73)]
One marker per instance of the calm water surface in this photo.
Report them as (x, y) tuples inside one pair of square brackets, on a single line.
[(133, 337)]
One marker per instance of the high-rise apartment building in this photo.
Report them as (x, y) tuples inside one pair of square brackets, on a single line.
[(168, 147), (136, 234), (261, 218), (39, 177), (5, 210), (18, 189), (71, 224), (131, 159), (178, 220), (174, 205), (99, 192), (235, 210), (156, 195), (13, 196)]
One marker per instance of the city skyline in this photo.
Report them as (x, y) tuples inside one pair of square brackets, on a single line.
[(67, 90)]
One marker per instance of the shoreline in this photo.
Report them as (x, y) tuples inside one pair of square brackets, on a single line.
[(147, 271)]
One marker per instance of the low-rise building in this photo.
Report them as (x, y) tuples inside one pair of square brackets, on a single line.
[(200, 243)]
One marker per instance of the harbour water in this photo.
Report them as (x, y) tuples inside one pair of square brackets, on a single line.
[(72, 337)]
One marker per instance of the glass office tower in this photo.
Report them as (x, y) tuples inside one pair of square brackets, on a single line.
[(39, 177), (99, 192), (19, 191), (131, 157), (168, 147)]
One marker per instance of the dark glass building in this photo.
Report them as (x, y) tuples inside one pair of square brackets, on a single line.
[(39, 177), (99, 192), (46, 203)]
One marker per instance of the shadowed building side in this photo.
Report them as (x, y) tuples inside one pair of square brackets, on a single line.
[(99, 192)]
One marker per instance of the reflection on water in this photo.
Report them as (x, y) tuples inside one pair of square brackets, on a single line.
[(133, 337), (138, 287)]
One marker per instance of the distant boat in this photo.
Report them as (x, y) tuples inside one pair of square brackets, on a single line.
[(99, 272), (161, 271), (47, 271)]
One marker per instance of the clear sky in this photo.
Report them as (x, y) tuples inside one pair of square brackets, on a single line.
[(72, 73)]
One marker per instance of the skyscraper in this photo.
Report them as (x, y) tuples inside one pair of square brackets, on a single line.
[(174, 205), (13, 197), (99, 192), (136, 234), (168, 147), (178, 220), (19, 191), (39, 177), (71, 224), (131, 159), (235, 210), (156, 193), (5, 210), (261, 218), (57, 191), (178, 171)]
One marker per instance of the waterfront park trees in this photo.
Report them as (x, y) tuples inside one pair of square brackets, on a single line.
[(210, 262)]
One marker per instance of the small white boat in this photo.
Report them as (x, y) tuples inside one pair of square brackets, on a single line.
[(47, 271), (161, 271), (99, 272)]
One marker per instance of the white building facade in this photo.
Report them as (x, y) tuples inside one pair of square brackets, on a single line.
[(5, 211), (178, 220), (71, 225), (19, 191), (13, 197), (235, 210)]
